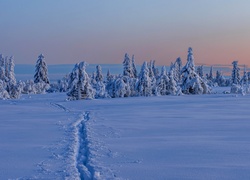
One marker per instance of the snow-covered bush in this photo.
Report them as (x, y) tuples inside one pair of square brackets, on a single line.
[(3, 93)]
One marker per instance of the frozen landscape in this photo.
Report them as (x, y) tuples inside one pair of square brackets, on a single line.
[(173, 124), (169, 137)]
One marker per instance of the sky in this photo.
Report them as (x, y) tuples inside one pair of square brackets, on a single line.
[(102, 31)]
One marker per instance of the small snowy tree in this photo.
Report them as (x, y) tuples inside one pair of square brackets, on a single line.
[(244, 79), (144, 87), (110, 84), (220, 79), (80, 87), (41, 72), (2, 68), (99, 85), (210, 75)]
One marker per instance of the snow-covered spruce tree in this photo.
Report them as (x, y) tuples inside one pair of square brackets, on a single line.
[(155, 70), (244, 79), (172, 86), (235, 81), (99, 85), (244, 82), (134, 70), (152, 77), (110, 84), (210, 75), (6, 63), (235, 73), (144, 87), (2, 68), (220, 79), (192, 82), (162, 83), (178, 68), (11, 74), (127, 67), (41, 79), (122, 87), (80, 87)]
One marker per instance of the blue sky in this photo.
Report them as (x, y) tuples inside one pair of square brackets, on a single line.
[(103, 31)]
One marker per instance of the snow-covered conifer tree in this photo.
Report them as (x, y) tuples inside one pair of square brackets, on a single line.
[(41, 72), (235, 84), (172, 87), (178, 68), (80, 87), (155, 70), (235, 73), (2, 68), (99, 85), (6, 63), (110, 84), (163, 83), (192, 82), (122, 87), (144, 87), (127, 67), (210, 75), (134, 70), (244, 79), (220, 79), (11, 74)]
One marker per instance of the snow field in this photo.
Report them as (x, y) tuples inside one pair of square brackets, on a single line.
[(167, 137)]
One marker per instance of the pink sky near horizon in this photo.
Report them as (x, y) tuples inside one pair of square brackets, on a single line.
[(102, 32)]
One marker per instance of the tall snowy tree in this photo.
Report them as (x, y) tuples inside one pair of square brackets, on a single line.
[(127, 66), (235, 73), (244, 79), (144, 87), (11, 74), (163, 82), (134, 70), (2, 68), (192, 82), (41, 72), (210, 75), (80, 87), (178, 68)]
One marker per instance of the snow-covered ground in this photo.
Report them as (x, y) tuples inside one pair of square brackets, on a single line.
[(168, 137)]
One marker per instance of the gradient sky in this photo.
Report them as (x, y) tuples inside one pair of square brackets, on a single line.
[(102, 31)]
